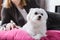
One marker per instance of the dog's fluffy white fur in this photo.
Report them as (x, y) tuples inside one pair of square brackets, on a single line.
[(36, 23)]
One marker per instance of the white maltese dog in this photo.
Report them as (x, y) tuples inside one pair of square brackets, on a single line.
[(36, 23)]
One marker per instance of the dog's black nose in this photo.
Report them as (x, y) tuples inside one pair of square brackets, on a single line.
[(39, 17)]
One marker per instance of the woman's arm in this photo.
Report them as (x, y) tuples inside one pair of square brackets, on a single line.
[(5, 17)]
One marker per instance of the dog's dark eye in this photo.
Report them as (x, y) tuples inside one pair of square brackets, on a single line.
[(36, 13), (42, 14)]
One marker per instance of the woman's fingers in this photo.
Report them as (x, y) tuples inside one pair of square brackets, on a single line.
[(10, 26)]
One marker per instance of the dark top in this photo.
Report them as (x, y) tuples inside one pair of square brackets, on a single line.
[(13, 13)]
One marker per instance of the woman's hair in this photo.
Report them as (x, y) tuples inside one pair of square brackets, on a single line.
[(7, 3), (23, 3)]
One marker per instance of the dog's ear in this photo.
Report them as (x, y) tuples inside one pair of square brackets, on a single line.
[(29, 14), (45, 13), (42, 9)]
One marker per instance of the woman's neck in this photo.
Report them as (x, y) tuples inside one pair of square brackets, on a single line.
[(17, 4)]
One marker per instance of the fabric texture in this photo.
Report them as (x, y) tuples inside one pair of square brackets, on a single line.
[(53, 22), (13, 14), (19, 34)]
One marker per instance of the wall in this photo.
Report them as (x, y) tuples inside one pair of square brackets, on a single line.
[(0, 7), (50, 5)]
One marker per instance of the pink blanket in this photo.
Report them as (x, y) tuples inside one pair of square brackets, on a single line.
[(18, 34)]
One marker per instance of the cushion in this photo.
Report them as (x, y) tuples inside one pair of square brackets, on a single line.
[(19, 34)]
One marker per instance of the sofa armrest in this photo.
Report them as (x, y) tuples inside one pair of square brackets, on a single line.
[(53, 22)]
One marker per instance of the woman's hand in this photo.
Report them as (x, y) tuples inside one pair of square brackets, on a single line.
[(11, 26)]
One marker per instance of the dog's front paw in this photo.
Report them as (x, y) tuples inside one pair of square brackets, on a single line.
[(37, 37), (44, 35)]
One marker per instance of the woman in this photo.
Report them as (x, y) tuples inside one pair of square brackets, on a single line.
[(16, 10)]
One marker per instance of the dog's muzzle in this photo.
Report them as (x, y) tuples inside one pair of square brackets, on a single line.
[(39, 17)]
